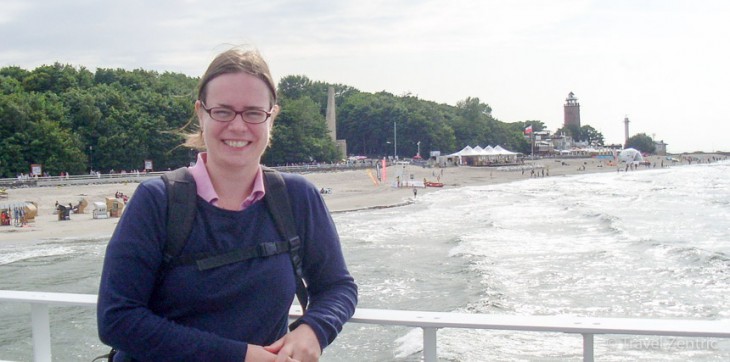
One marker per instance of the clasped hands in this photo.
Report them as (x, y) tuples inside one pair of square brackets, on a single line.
[(300, 345)]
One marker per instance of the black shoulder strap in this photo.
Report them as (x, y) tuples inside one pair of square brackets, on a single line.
[(181, 207), (277, 201), (181, 199)]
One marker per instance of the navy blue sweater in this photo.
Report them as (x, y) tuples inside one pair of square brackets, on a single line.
[(183, 314)]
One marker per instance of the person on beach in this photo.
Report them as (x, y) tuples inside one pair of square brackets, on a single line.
[(235, 312)]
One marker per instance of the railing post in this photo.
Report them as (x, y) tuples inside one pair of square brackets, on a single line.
[(587, 347), (41, 332), (429, 345)]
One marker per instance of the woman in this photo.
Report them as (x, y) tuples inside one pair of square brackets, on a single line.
[(237, 311)]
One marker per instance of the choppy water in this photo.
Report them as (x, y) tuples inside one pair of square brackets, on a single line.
[(648, 244)]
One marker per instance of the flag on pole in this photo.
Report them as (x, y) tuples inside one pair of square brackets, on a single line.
[(528, 130)]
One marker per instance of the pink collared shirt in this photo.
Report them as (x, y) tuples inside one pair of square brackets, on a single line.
[(207, 192)]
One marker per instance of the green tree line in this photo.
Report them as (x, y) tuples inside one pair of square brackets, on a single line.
[(70, 119)]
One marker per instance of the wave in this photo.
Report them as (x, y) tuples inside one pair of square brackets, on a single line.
[(697, 257), (50, 250)]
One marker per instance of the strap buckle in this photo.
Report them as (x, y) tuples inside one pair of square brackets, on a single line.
[(267, 249)]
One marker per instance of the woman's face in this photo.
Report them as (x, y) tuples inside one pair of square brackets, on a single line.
[(235, 144)]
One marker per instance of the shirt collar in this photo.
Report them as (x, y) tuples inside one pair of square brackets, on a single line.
[(205, 186)]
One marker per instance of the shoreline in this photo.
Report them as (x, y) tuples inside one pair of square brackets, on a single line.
[(351, 190)]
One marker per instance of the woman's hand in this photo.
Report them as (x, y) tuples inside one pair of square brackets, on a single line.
[(259, 354), (300, 344)]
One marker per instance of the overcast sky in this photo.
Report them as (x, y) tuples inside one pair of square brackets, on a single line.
[(663, 63)]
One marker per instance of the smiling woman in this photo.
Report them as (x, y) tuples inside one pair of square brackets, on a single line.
[(238, 309)]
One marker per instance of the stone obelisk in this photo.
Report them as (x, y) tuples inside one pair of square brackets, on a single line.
[(331, 119), (331, 115)]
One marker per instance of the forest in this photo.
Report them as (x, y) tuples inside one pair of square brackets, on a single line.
[(72, 120)]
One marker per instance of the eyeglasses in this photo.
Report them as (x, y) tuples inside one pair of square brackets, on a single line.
[(223, 114)]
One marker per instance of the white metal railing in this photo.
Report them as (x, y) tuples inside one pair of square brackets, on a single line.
[(429, 322)]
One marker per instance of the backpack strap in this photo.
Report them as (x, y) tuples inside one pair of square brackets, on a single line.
[(181, 206), (205, 261), (277, 201)]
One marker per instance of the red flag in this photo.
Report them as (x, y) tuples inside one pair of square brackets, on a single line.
[(528, 130)]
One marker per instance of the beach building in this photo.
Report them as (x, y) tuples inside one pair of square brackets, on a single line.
[(660, 148)]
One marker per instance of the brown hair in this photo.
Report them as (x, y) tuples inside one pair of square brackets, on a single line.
[(235, 60)]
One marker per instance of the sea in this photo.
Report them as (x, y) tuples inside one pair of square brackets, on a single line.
[(651, 244)]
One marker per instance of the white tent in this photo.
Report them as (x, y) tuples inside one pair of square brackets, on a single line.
[(501, 151), (467, 151), (630, 155), (486, 151), (485, 156)]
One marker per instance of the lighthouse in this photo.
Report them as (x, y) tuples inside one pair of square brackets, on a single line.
[(571, 111)]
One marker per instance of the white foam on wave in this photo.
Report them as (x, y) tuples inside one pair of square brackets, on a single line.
[(15, 255), (645, 244), (12, 253)]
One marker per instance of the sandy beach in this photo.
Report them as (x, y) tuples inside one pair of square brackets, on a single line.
[(350, 190)]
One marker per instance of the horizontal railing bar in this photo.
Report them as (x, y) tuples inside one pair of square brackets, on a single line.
[(54, 299), (564, 324)]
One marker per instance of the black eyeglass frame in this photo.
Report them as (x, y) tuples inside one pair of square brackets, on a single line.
[(236, 113)]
